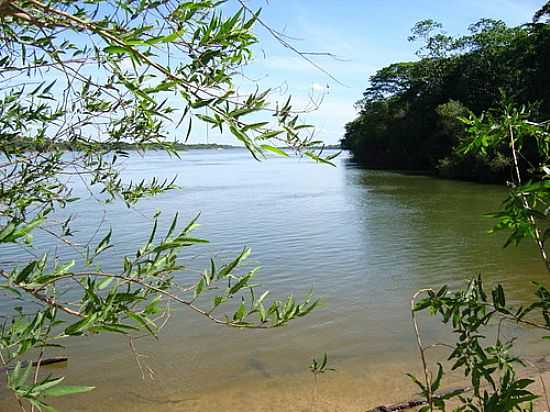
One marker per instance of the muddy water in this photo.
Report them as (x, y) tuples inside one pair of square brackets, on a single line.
[(362, 240)]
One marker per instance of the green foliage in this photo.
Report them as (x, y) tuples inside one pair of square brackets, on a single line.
[(35, 392), (318, 367), (405, 115), (82, 83), (543, 12), (526, 210), (472, 313), (495, 384)]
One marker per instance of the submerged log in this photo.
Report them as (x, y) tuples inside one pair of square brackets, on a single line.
[(51, 361), (399, 406), (43, 362)]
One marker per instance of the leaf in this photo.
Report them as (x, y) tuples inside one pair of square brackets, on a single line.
[(417, 382), (275, 150), (104, 283), (243, 282), (14, 291), (169, 38), (198, 103), (309, 308), (25, 272), (325, 360), (239, 314), (117, 50), (7, 231), (144, 321), (67, 390), (319, 159), (192, 225), (499, 299), (23, 230), (81, 325), (437, 381), (21, 376), (104, 244), (177, 243), (227, 269), (47, 384), (199, 288)]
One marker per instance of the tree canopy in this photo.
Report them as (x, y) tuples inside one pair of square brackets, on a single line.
[(409, 114)]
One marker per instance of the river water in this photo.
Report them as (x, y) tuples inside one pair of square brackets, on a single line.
[(364, 241)]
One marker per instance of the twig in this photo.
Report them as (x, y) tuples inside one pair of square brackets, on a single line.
[(427, 375), (532, 221), (304, 55), (545, 393)]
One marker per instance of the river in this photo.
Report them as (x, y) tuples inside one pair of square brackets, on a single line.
[(364, 241)]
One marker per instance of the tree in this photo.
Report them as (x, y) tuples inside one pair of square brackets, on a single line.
[(82, 81), (471, 70), (543, 12)]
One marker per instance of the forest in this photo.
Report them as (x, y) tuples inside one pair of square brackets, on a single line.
[(414, 114)]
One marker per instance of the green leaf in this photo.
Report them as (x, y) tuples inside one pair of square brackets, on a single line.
[(239, 314), (104, 283), (227, 269), (144, 321), (7, 231), (24, 229), (117, 50), (24, 274), (78, 327), (67, 390), (275, 150), (104, 244), (198, 103)]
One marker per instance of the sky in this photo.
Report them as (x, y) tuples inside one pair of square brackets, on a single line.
[(365, 35)]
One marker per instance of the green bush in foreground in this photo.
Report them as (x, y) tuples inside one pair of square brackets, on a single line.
[(474, 313)]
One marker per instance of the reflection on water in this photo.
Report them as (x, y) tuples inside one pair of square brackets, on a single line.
[(363, 240)]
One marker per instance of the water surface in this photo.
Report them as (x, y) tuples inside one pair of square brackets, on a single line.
[(364, 241)]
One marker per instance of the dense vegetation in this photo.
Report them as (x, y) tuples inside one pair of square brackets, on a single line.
[(409, 115)]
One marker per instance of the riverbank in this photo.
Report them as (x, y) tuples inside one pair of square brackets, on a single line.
[(345, 390), (464, 173), (538, 370)]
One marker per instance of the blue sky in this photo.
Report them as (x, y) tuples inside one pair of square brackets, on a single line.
[(365, 34)]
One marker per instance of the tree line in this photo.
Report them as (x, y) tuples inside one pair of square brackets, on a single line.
[(413, 115)]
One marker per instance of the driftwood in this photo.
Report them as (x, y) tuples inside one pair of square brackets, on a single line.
[(403, 406), (43, 362), (399, 406), (51, 361)]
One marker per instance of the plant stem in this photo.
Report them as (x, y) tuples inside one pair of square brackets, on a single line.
[(532, 220), (427, 375)]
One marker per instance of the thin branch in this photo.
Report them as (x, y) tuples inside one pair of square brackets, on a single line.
[(532, 220), (421, 349), (285, 43)]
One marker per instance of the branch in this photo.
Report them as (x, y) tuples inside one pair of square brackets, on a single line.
[(303, 55), (427, 374)]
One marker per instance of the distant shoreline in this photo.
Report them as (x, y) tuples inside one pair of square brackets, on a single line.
[(44, 147), (211, 146)]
